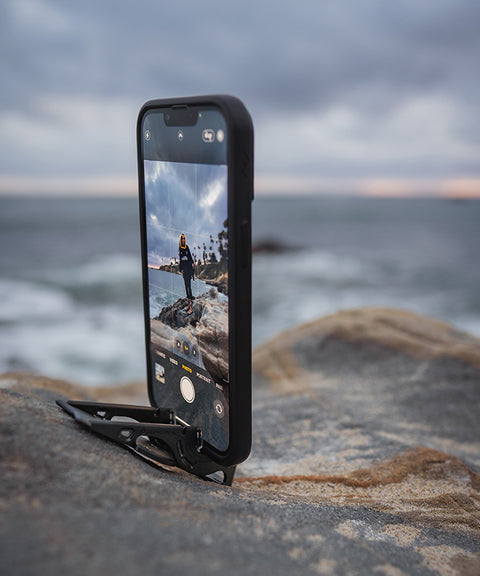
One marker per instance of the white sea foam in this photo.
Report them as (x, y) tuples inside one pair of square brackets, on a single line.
[(44, 328), (104, 346), (327, 267), (105, 270), (26, 301), (290, 289)]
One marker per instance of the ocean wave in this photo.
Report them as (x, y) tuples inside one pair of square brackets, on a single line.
[(317, 265), (100, 279), (23, 301), (90, 346), (299, 287), (106, 269), (289, 289)]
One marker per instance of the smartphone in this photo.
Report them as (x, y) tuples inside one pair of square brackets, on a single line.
[(195, 167)]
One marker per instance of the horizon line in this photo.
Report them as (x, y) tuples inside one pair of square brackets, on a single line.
[(286, 185)]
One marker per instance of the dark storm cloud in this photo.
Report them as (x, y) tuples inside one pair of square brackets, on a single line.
[(284, 59), (278, 54)]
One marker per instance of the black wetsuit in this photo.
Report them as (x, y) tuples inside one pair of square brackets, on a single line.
[(186, 268)]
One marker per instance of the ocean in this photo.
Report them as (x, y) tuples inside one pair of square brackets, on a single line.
[(70, 275)]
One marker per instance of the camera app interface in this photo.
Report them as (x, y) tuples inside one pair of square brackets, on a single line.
[(187, 247)]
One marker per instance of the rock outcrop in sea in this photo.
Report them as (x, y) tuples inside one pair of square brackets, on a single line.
[(365, 460), (200, 337)]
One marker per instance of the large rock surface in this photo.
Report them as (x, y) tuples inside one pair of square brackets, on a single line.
[(365, 461)]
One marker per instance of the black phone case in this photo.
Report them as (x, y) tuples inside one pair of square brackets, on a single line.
[(240, 196)]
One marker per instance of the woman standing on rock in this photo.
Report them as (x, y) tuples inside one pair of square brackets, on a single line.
[(186, 268)]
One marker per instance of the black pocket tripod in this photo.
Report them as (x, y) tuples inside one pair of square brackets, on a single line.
[(152, 434)]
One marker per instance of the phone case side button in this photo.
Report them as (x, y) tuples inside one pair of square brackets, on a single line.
[(244, 244), (246, 171)]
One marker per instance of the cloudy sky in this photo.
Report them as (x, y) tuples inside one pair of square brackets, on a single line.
[(188, 199), (369, 96)]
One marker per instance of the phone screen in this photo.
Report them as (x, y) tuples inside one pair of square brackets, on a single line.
[(186, 247)]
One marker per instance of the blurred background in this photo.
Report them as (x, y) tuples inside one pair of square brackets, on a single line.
[(367, 168)]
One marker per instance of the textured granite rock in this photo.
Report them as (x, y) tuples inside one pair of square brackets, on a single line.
[(365, 461)]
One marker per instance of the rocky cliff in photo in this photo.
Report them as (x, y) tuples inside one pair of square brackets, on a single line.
[(204, 332)]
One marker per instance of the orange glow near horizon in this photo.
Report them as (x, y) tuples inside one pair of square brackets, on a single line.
[(399, 188), (265, 185), (288, 185), (93, 186), (462, 188)]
